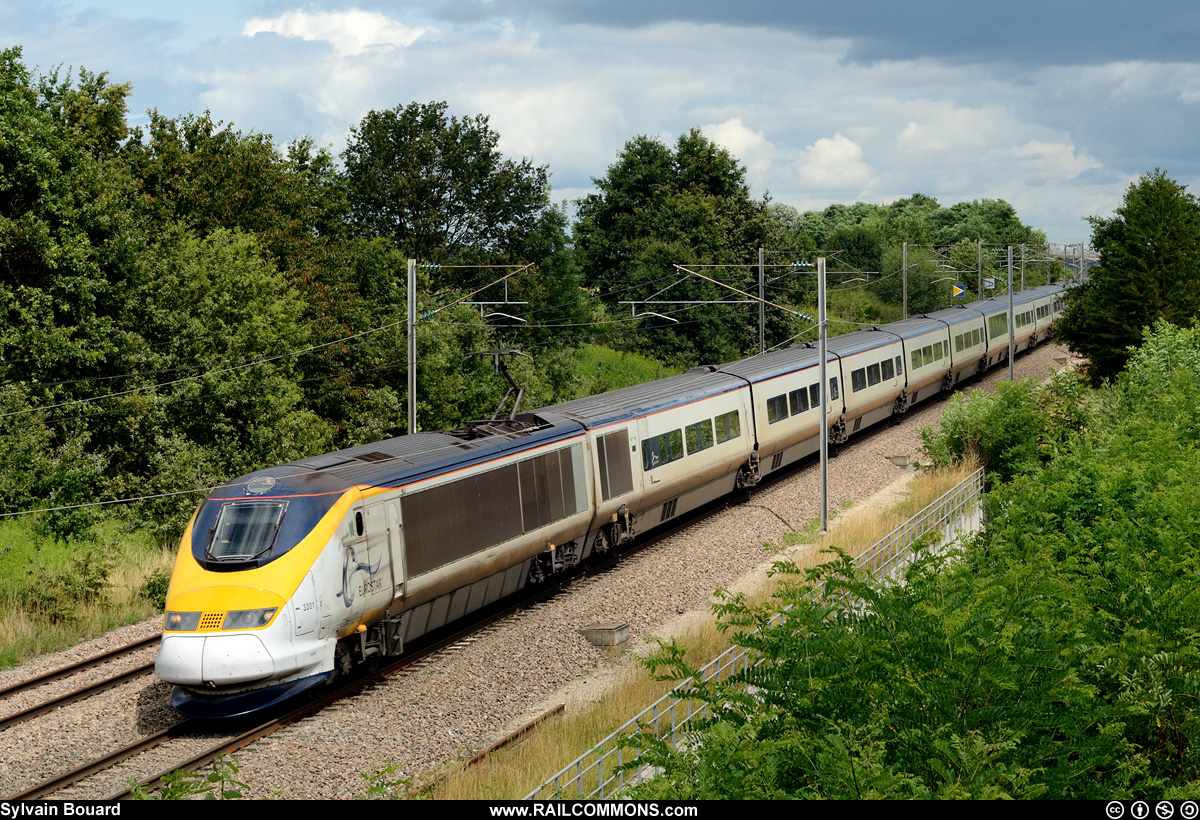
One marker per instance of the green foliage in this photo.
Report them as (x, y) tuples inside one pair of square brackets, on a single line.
[(382, 783), (1057, 659), (438, 187), (1001, 427), (1149, 269), (657, 207), (220, 783), (154, 588), (57, 595)]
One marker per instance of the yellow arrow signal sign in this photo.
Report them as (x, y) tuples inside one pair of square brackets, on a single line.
[(957, 290)]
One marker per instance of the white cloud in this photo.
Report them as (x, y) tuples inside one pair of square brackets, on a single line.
[(834, 164), (1049, 160), (751, 147), (350, 32)]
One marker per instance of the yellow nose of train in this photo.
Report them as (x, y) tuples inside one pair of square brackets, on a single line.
[(234, 633)]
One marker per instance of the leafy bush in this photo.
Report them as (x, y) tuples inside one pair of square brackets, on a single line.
[(1001, 427), (154, 588), (59, 595)]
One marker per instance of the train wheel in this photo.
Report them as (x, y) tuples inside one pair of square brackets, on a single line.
[(342, 662)]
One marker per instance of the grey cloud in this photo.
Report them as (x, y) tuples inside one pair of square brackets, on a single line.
[(1033, 32)]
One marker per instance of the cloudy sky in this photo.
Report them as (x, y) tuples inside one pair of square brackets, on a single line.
[(1054, 106)]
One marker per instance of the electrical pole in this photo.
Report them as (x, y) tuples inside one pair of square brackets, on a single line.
[(824, 395), (762, 305), (1012, 330), (412, 346), (979, 263), (904, 278)]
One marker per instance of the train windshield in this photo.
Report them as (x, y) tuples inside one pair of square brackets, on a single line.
[(245, 529)]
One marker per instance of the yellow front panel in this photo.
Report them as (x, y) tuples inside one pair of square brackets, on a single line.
[(196, 589)]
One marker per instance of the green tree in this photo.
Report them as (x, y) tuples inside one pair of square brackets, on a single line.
[(659, 206), (1149, 268), (438, 187)]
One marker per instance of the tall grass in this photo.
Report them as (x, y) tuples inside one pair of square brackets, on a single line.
[(54, 594), (513, 772)]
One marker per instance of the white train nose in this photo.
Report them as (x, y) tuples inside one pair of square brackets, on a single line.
[(220, 660)]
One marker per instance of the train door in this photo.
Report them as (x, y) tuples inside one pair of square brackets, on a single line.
[(372, 569), (395, 550), (366, 570)]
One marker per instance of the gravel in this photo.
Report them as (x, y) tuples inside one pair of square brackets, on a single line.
[(468, 697)]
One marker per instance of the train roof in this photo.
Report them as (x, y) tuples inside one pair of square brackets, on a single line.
[(398, 461), (648, 398), (776, 363), (914, 326)]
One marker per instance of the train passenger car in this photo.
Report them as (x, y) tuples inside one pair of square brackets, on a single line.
[(871, 364), (785, 395), (926, 358), (663, 448)]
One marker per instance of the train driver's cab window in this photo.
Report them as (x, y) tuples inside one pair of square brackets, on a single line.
[(660, 450), (245, 530)]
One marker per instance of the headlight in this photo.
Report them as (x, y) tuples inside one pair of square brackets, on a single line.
[(248, 618), (181, 621)]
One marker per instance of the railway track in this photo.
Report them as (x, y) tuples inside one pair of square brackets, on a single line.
[(190, 733), (25, 713)]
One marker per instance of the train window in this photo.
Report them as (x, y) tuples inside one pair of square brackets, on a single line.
[(858, 379), (873, 374), (798, 401), (899, 364), (889, 372), (833, 389), (916, 359), (698, 436), (958, 343), (246, 529), (927, 354), (728, 427), (776, 409), (997, 325), (814, 395), (358, 523), (664, 449)]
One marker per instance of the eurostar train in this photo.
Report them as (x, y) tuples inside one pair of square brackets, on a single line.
[(290, 575)]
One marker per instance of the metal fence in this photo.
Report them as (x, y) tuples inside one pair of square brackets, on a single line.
[(603, 771)]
